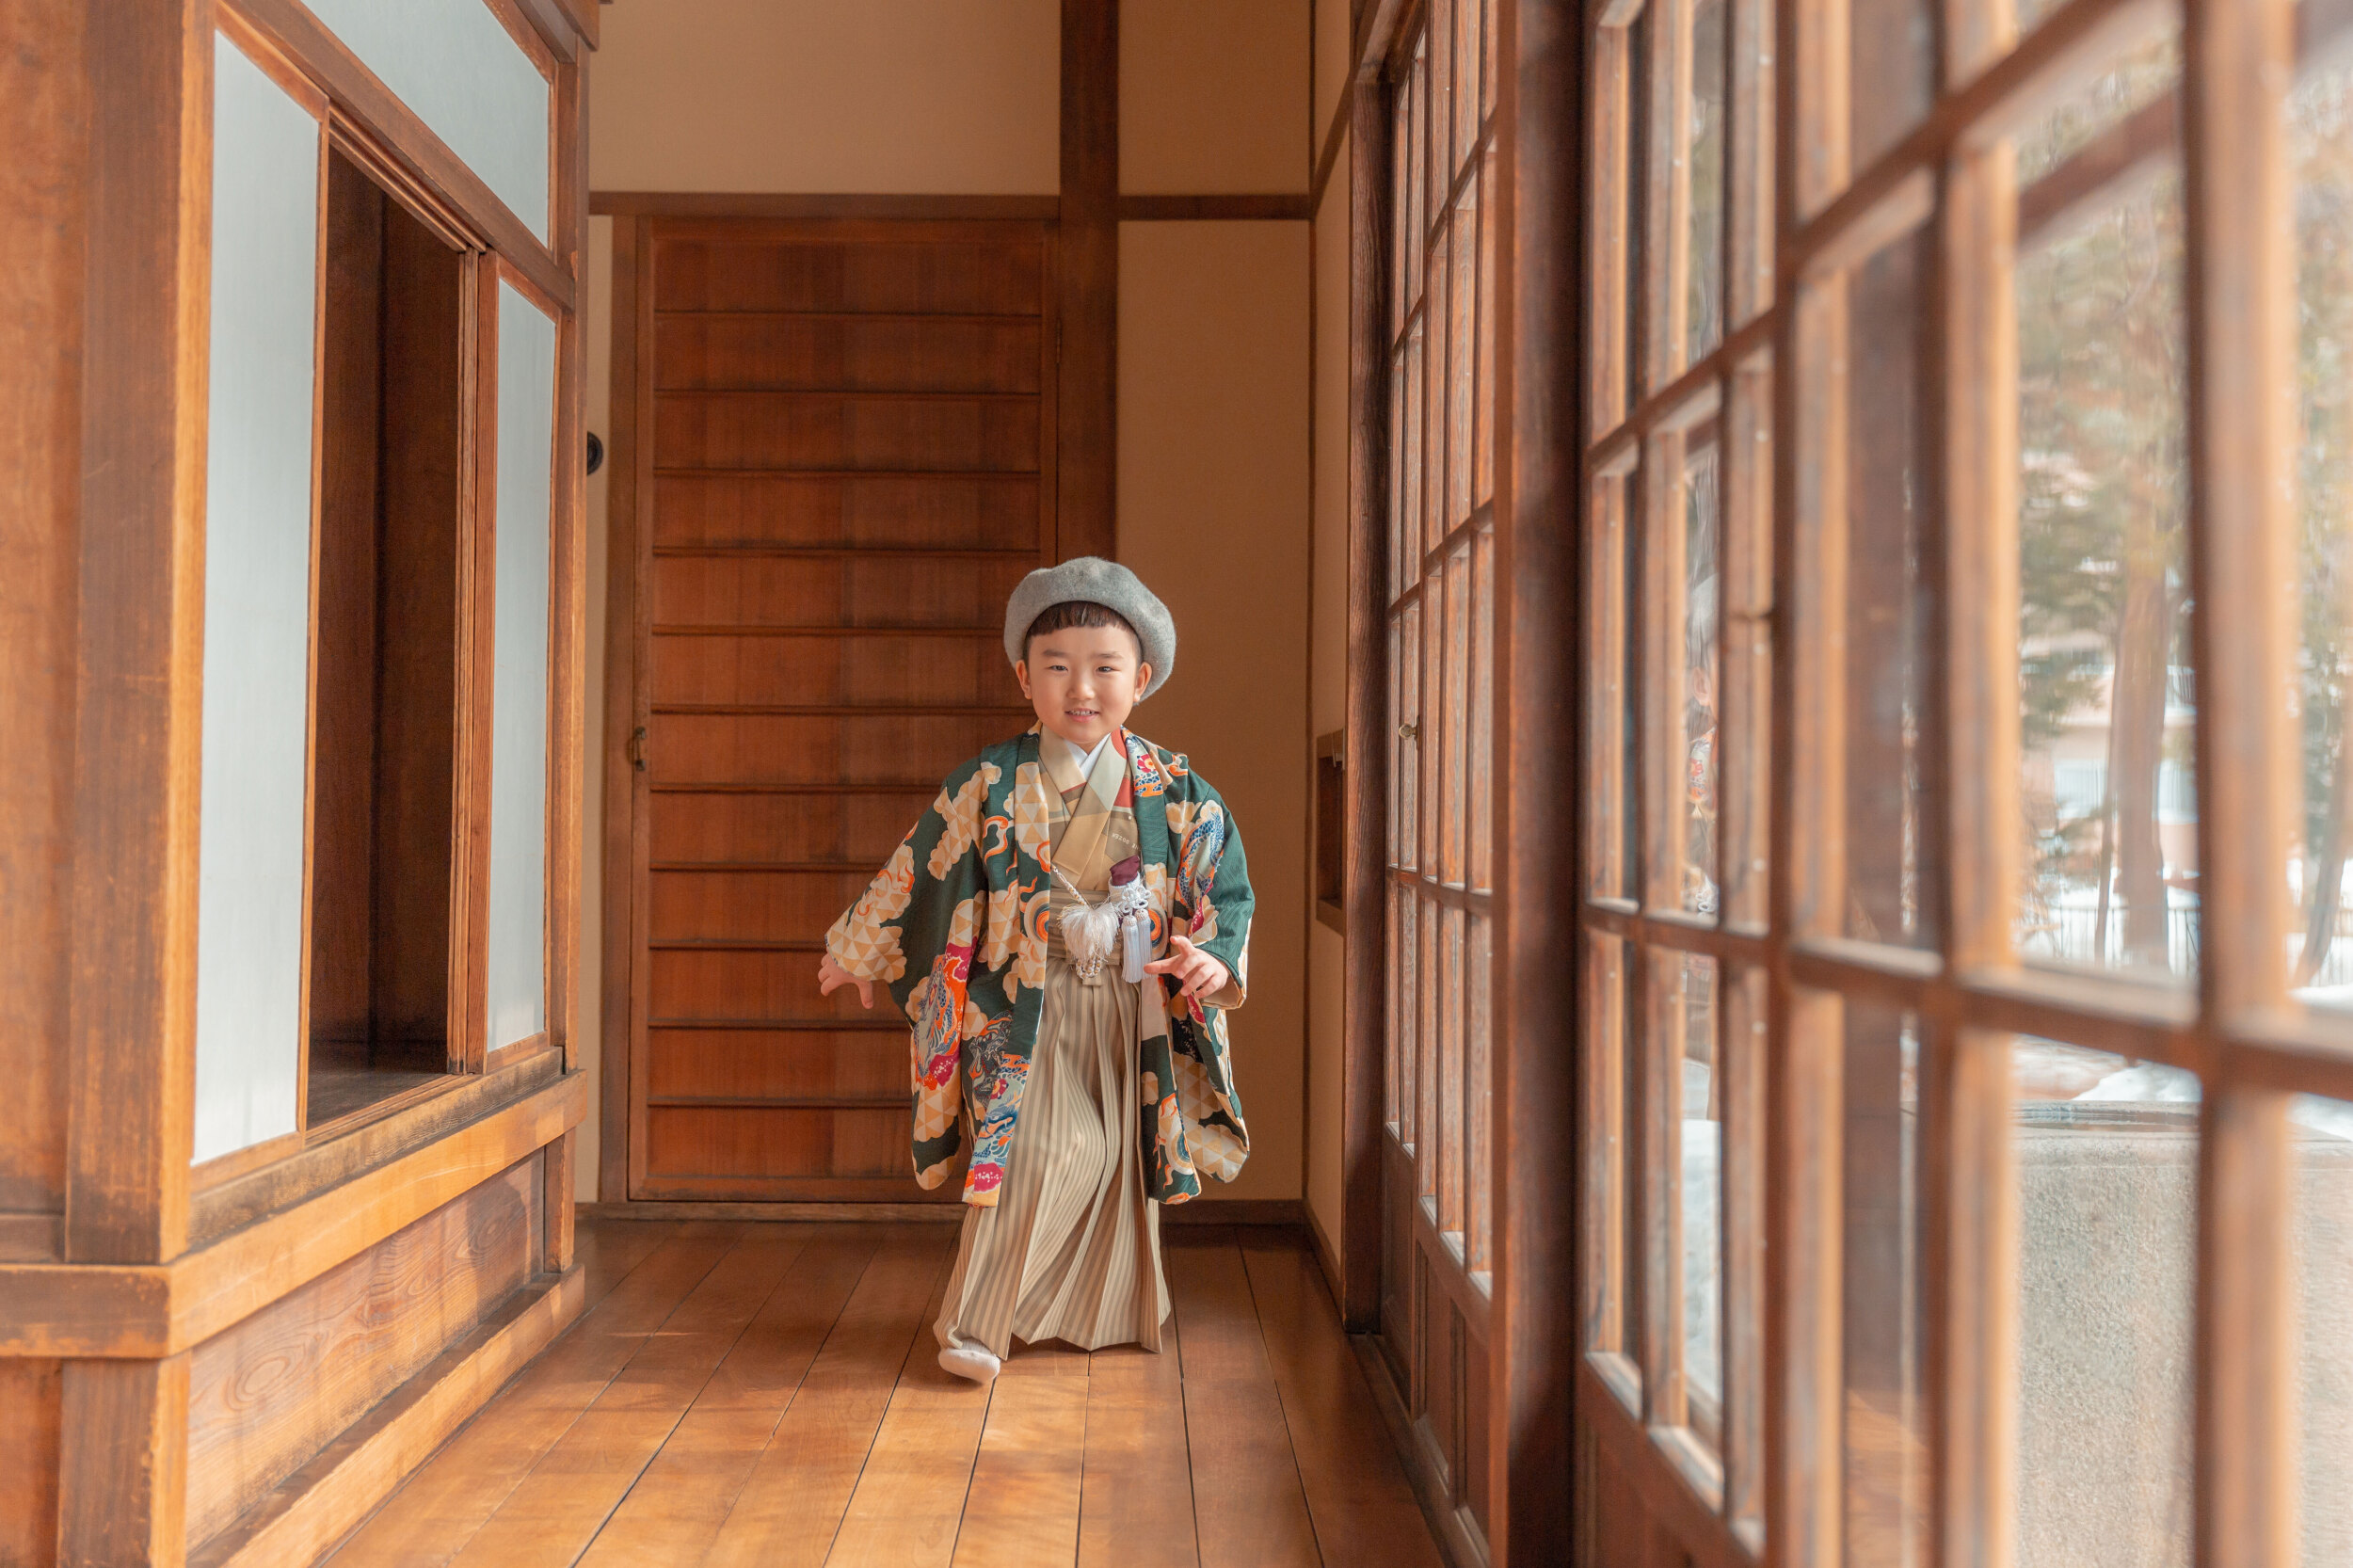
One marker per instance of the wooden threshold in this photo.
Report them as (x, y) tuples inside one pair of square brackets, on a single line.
[(665, 203)]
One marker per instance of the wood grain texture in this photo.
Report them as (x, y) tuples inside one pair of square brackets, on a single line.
[(1024, 1500), (828, 1433), (567, 1497), (447, 1500), (122, 1430), (908, 1505), (30, 1392), (843, 429), (1356, 1490), (1136, 1497), (131, 1050), (268, 1394), (1087, 263), (802, 1485), (674, 1513), (1259, 1513), (320, 1503), (44, 194), (253, 1267)]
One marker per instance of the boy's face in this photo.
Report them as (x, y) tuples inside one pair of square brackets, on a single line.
[(1083, 681)]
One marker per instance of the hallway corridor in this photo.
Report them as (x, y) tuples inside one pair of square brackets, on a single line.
[(767, 1394)]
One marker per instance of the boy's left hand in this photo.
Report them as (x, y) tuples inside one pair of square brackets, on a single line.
[(1200, 975)]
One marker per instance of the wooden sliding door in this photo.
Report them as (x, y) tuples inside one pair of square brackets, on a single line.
[(833, 439)]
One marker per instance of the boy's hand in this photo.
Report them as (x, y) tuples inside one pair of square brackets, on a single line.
[(1201, 975), (831, 977)]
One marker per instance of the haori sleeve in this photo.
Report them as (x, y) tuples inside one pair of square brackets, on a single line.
[(1213, 884), (901, 922)]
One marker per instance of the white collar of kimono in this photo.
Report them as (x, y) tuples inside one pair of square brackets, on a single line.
[(1083, 761)]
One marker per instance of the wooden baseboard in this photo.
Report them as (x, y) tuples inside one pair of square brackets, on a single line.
[(1457, 1541), (316, 1506), (1328, 1260), (1204, 1211)]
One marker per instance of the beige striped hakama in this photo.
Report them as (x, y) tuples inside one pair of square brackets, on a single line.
[(1071, 1249)]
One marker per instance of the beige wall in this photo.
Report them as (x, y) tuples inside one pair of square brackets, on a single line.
[(923, 96), (1212, 514), (1328, 684)]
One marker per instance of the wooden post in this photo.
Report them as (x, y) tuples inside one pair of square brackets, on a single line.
[(1087, 277)]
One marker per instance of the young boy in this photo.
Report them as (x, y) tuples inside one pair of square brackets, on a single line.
[(1066, 929)]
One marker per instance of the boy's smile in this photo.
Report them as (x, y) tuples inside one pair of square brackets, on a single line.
[(1083, 680)]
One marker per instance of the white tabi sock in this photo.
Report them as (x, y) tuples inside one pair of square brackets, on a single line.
[(969, 1360)]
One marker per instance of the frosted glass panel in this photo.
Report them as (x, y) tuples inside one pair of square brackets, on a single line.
[(458, 68), (257, 610), (519, 715)]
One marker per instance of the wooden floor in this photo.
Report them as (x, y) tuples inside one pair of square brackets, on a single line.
[(768, 1394)]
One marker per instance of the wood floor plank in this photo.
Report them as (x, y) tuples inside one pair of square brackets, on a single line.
[(1249, 1506), (440, 1508), (1023, 1506), (1137, 1502), (909, 1498), (798, 1491), (609, 1251), (1358, 1497), (550, 1519), (674, 1511)]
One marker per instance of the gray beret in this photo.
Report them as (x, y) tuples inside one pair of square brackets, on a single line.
[(1090, 579)]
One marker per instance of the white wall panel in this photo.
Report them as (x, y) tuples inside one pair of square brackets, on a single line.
[(257, 610), (456, 65), (519, 715)]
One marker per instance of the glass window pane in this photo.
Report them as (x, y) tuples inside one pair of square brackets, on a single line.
[(1699, 1187), (1891, 74), (1482, 700), (1884, 1321), (1743, 755), (1406, 780), (1438, 329), (1461, 339), (517, 965), (254, 770), (2106, 1151), (1454, 763), (1640, 39), (1479, 1143), (1607, 1061), (1703, 588), (1704, 171), (2105, 689), (1483, 417), (2320, 148), (1407, 502), (1887, 893), (1609, 719), (2321, 1133)]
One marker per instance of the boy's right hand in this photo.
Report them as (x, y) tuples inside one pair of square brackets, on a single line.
[(831, 977)]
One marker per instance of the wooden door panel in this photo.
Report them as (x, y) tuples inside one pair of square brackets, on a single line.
[(845, 353), (750, 906), (842, 590), (763, 749), (924, 511), (873, 673), (869, 430), (749, 985), (845, 429), (824, 277), (762, 1064), (767, 1140), (856, 830)]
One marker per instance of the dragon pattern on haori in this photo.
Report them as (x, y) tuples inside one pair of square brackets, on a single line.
[(956, 926)]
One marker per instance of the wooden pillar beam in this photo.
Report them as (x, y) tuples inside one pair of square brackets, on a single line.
[(1539, 421), (1087, 279), (122, 1468), (131, 1024)]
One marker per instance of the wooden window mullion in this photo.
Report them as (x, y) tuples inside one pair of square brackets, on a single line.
[(2239, 61)]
